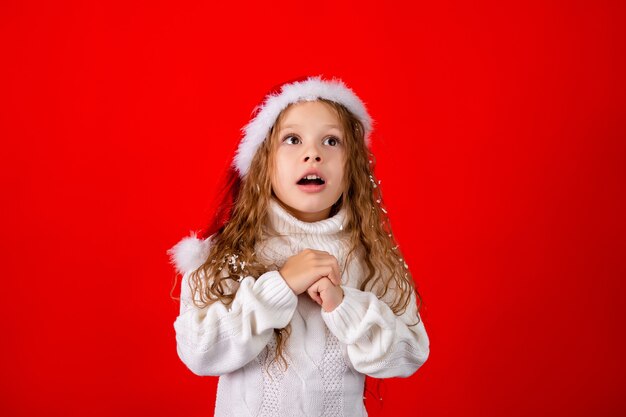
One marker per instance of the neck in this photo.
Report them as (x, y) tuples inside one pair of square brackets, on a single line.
[(284, 222)]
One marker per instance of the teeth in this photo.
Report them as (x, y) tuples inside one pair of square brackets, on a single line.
[(311, 177)]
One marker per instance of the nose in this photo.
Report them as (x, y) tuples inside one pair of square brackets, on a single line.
[(312, 153)]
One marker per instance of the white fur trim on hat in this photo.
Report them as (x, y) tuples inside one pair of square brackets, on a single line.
[(189, 253), (310, 89)]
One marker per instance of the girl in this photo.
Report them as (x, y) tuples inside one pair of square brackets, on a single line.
[(298, 289)]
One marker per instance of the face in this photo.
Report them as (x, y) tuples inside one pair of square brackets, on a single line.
[(310, 140)]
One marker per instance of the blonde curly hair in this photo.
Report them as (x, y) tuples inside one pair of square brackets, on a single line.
[(239, 225)]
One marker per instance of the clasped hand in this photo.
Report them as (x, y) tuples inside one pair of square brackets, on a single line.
[(317, 273)]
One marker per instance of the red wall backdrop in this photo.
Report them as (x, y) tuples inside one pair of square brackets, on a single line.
[(500, 142)]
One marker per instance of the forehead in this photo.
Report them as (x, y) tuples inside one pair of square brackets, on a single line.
[(308, 113)]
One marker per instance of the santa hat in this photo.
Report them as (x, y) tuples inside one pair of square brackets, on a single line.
[(189, 253), (306, 89), (192, 251)]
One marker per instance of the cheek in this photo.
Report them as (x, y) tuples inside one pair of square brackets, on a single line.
[(274, 178), (279, 175), (342, 181), (275, 168), (340, 166), (342, 176)]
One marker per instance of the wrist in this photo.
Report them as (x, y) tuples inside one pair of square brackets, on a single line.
[(334, 302), (282, 274)]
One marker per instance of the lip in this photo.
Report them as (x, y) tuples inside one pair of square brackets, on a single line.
[(312, 188)]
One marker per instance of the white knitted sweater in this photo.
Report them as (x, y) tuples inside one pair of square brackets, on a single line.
[(329, 353)]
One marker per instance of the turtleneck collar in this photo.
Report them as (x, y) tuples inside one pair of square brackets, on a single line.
[(286, 223)]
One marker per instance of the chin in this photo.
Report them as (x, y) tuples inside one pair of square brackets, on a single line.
[(311, 209)]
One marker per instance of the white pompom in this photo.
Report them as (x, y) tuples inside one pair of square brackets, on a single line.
[(189, 253)]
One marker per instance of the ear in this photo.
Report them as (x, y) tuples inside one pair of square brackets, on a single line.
[(189, 253)]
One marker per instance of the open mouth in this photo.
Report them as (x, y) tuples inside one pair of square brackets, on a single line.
[(311, 179)]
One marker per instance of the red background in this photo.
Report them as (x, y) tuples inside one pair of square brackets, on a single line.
[(501, 147)]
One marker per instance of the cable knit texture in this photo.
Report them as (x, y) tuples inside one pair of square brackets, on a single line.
[(329, 353)]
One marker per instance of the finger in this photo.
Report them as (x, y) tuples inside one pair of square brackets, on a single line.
[(322, 284), (331, 270), (313, 294), (319, 252), (318, 299), (337, 272), (334, 263), (325, 270), (316, 254)]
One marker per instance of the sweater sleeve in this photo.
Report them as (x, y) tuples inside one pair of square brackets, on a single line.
[(216, 340), (379, 343)]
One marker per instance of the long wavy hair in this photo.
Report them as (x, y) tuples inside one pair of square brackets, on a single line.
[(240, 217)]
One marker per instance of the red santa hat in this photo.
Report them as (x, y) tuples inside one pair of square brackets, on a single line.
[(191, 252), (305, 89)]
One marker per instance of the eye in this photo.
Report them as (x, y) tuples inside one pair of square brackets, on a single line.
[(288, 137), (334, 141)]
